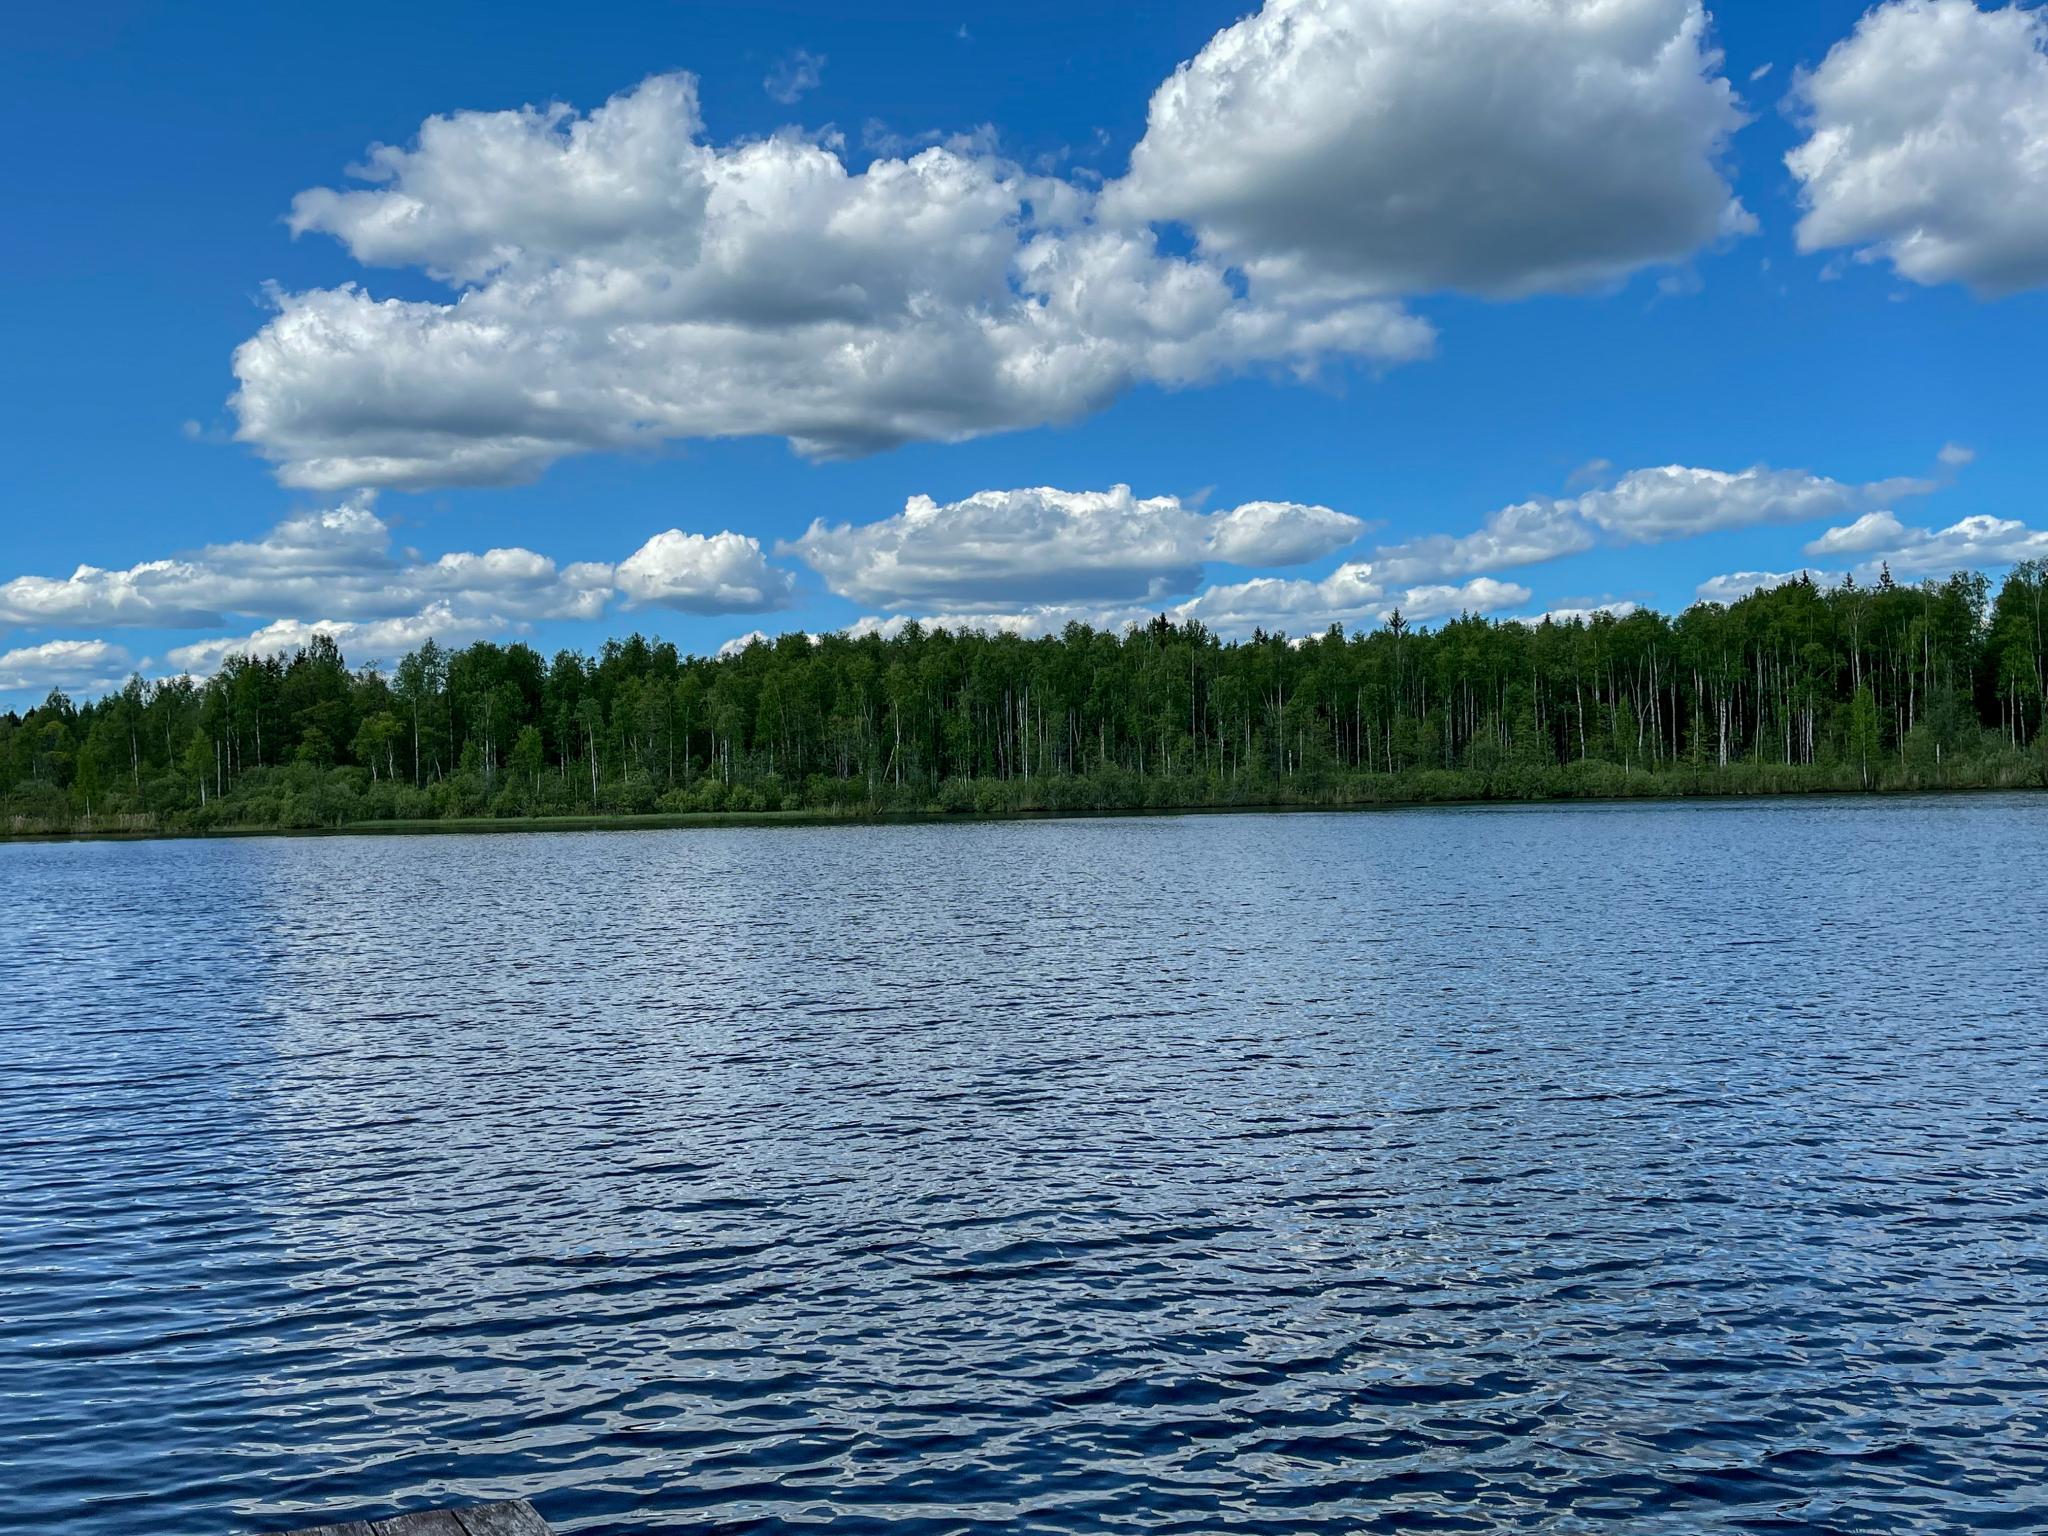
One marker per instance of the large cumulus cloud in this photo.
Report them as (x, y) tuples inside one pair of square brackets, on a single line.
[(1928, 144), (617, 280), (1045, 545), (1499, 147), (620, 282)]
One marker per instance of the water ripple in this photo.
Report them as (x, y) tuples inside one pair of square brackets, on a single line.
[(1668, 1169)]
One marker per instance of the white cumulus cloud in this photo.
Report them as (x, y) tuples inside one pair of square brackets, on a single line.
[(1873, 530), (1351, 594), (1278, 533), (1650, 506), (696, 573), (617, 282), (1348, 595), (1643, 506), (1500, 147), (88, 664), (1528, 533), (1041, 545), (1928, 144), (1585, 613), (1978, 542), (334, 572), (337, 562), (1737, 585), (1030, 561), (379, 640), (739, 643)]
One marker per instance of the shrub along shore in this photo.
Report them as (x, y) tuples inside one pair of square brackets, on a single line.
[(295, 800), (1878, 687)]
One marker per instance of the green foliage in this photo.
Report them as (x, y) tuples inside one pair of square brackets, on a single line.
[(315, 750), (1794, 689), (529, 754)]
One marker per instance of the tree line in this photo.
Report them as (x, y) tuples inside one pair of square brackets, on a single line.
[(1874, 686)]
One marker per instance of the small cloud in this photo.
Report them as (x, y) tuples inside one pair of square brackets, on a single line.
[(878, 138), (739, 643), (1955, 455), (198, 432), (1680, 285), (692, 573), (793, 76), (1737, 222), (1585, 610), (963, 34), (1872, 531), (1733, 588), (81, 664), (1761, 72), (1592, 472)]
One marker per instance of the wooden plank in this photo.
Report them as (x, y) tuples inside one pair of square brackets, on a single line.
[(513, 1517), (428, 1522)]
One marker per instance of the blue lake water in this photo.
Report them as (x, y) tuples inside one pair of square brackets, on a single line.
[(1669, 1169)]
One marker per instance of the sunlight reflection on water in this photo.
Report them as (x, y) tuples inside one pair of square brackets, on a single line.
[(1675, 1168)]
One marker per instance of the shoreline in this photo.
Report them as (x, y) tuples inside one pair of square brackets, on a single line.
[(667, 821)]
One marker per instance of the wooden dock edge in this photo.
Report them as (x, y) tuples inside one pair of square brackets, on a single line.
[(513, 1517)]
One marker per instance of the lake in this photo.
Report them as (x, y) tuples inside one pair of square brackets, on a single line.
[(1675, 1168)]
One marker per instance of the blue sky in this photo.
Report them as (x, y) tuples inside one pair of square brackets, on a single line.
[(148, 237)]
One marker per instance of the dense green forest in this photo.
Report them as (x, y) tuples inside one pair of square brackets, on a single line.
[(1879, 686)]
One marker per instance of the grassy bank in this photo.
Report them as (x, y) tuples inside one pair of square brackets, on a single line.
[(305, 799)]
